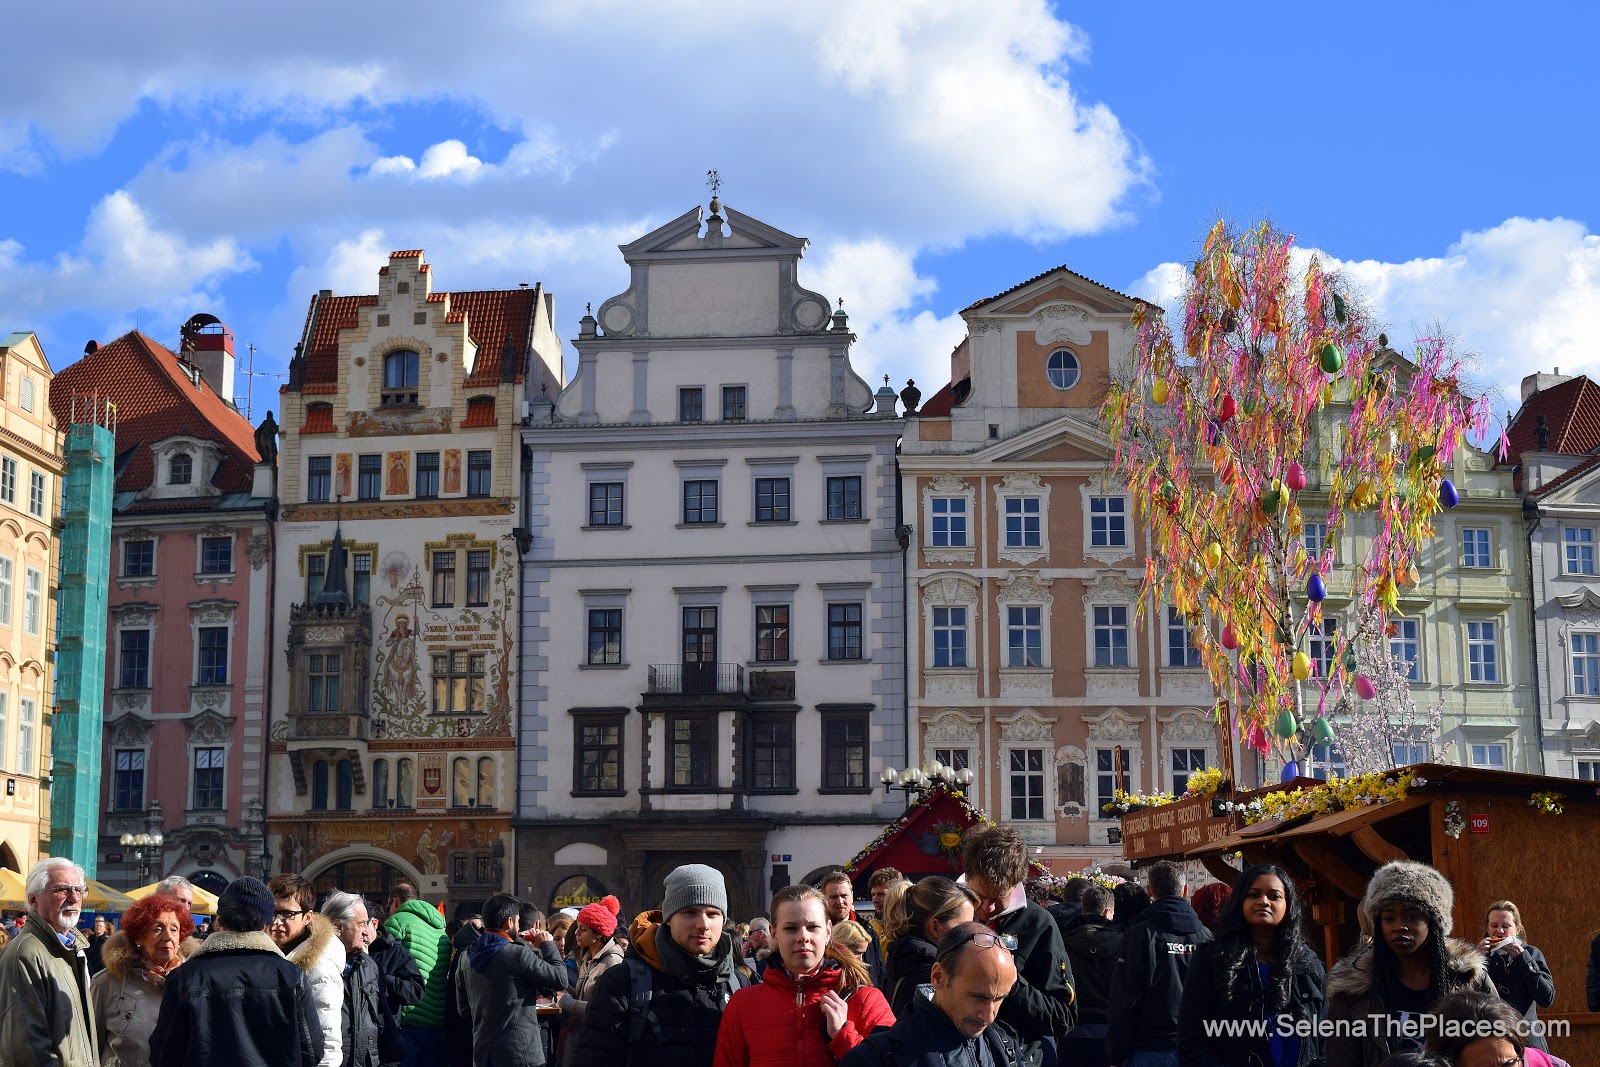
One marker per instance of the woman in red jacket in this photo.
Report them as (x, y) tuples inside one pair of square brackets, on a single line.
[(814, 1003)]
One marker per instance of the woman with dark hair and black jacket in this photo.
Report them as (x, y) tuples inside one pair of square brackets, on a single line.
[(913, 923), (1259, 967)]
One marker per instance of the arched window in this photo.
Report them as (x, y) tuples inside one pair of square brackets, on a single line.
[(404, 777), (400, 377), (180, 469), (380, 783), (486, 782), (460, 782), (319, 786), (1062, 369), (346, 786)]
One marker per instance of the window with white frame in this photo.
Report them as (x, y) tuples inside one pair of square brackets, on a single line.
[(950, 636), (7, 574), (1022, 515), (691, 404), (213, 655), (1186, 761), (1589, 770), (1325, 762), (1026, 783), (1062, 369), (8, 480), (1181, 650), (1314, 535), (948, 528), (127, 785), (1406, 753), (1491, 755), (1110, 635), (1108, 522), (5, 729), (1024, 635), (25, 394), (1022, 502), (26, 757), (1405, 648), (209, 765), (1321, 639), (36, 494), (33, 601), (956, 758), (1585, 665), (1475, 551), (1483, 651), (1110, 775), (1579, 544), (138, 558)]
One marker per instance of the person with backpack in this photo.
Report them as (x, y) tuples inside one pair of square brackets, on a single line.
[(812, 1006), (1147, 981), (661, 1009)]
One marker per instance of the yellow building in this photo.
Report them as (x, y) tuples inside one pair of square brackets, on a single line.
[(31, 467)]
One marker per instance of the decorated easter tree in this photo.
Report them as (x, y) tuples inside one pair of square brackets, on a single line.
[(1273, 404)]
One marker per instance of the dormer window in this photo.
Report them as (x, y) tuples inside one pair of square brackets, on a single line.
[(180, 469), (400, 379)]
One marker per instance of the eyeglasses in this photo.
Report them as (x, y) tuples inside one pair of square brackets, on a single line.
[(1005, 941), (285, 916), (68, 890)]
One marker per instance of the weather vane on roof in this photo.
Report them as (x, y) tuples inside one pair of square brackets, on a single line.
[(714, 180)]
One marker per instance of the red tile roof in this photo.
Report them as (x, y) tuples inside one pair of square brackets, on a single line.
[(319, 419), (332, 314), (412, 253), (480, 412), (1045, 274), (1571, 411), (156, 399), (940, 403)]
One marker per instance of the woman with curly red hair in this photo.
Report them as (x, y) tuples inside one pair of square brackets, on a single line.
[(127, 994)]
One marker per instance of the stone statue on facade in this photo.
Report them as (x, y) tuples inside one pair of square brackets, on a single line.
[(267, 440)]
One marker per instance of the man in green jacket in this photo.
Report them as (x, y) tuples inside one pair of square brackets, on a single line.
[(418, 926), (45, 1019)]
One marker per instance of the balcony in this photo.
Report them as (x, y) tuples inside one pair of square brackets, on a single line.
[(694, 679), (327, 726)]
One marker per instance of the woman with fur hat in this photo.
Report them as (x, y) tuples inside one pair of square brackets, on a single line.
[(596, 954), (1517, 969), (687, 967), (155, 938), (1409, 964)]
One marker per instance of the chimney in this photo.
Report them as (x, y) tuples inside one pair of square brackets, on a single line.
[(209, 346)]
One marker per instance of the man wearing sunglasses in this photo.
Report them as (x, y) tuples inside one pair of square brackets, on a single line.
[(44, 975)]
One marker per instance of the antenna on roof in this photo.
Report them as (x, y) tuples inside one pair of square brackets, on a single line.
[(251, 374)]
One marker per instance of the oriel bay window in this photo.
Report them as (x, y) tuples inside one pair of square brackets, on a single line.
[(322, 681), (458, 683), (691, 751), (597, 752)]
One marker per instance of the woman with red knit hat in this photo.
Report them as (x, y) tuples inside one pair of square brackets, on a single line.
[(596, 953)]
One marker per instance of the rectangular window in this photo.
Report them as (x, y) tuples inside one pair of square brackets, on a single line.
[(8, 480), (1475, 547), (25, 394), (427, 475), (133, 668), (1024, 635), (1407, 753), (213, 655), (7, 574), (361, 588), (322, 682), (1027, 783), (691, 405), (478, 578), (479, 468), (733, 404), (138, 559), (1405, 648), (216, 555), (319, 477), (208, 770), (1483, 654), (26, 763), (772, 754), (1320, 642), (369, 477), (127, 788), (949, 637), (692, 751), (33, 602), (1110, 775), (949, 522), (1108, 526), (1580, 549), (772, 500), (1588, 769), (5, 730), (955, 758), (605, 504), (844, 497), (699, 502), (1314, 535), (458, 683), (599, 757), (444, 579), (1185, 761), (1325, 762), (1492, 756), (1022, 522), (605, 637), (1586, 665), (1111, 636), (844, 752), (1181, 650), (36, 494), (772, 632), (316, 577), (844, 631)]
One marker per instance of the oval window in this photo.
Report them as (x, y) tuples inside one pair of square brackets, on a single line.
[(1062, 369)]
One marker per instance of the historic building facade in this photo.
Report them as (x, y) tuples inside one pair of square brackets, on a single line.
[(186, 637), (713, 670), (31, 466), (395, 692)]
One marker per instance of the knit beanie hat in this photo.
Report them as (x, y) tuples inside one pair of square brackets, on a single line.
[(694, 884), (251, 895), (598, 918), (1411, 883), (611, 904)]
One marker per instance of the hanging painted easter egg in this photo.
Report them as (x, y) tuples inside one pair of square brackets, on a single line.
[(1160, 391), (1316, 590), (1270, 501), (1168, 490), (1332, 358), (1213, 555), (1213, 434), (1226, 409), (1321, 730), (1287, 727), (1447, 494), (1423, 454), (1350, 660), (1295, 479), (1248, 405), (1338, 307), (1300, 665), (1364, 497), (1230, 640), (1290, 772), (1364, 687)]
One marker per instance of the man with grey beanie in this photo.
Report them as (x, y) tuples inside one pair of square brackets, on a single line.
[(664, 1006)]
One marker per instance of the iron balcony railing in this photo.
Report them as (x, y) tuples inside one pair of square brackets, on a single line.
[(694, 678)]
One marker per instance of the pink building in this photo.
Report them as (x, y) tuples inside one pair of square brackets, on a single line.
[(189, 633)]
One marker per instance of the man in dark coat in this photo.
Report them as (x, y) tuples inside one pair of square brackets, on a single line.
[(1147, 985), (400, 984), (1070, 906), (1040, 1006), (237, 1001), (499, 982), (1093, 944)]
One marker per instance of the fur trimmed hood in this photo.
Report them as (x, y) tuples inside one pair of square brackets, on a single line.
[(309, 953), (1413, 883), (234, 941), (121, 956), (1353, 975)]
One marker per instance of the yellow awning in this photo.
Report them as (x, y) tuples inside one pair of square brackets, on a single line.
[(205, 903), (12, 890)]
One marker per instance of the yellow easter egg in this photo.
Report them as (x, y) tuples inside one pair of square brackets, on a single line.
[(1301, 666), (1160, 391)]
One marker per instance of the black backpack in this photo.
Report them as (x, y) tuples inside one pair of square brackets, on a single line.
[(641, 1015)]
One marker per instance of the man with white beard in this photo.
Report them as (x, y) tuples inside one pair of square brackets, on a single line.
[(45, 1019)]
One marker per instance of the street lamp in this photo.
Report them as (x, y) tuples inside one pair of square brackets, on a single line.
[(143, 846), (924, 779)]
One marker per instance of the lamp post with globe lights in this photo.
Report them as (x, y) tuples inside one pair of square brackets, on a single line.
[(144, 846), (923, 780)]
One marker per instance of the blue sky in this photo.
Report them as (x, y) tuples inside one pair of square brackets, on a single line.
[(156, 163)]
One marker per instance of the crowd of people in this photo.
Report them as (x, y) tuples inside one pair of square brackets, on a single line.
[(974, 972)]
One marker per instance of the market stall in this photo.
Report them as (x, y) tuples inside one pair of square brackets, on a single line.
[(927, 839)]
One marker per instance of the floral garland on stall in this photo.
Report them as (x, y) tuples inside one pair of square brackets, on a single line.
[(941, 830), (1336, 794)]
